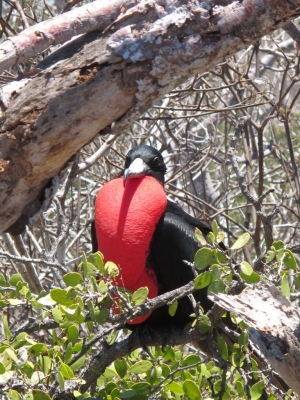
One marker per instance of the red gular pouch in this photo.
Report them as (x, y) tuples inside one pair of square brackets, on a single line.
[(125, 220)]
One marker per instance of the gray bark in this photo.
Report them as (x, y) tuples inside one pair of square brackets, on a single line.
[(275, 327)]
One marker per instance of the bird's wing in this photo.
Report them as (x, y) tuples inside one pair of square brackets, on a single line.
[(173, 242), (173, 208)]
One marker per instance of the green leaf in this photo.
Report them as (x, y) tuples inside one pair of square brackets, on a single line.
[(279, 254), (256, 390), (140, 367), (203, 280), (270, 255), (241, 241), (46, 300), (243, 339), (102, 286), (66, 371), (139, 296), (37, 377), (222, 347), (109, 373), (211, 237), (218, 257), (246, 268), (40, 395), (220, 237), (68, 353), (203, 258), (91, 308), (297, 279), (57, 314), (12, 395), (62, 297), (97, 260), (121, 367), (78, 364), (200, 237), (215, 228), (216, 272), (73, 333), (61, 380), (101, 315), (254, 367), (46, 364), (5, 327), (285, 287), (278, 245), (86, 267), (191, 389), (9, 355), (111, 269), (72, 279), (204, 324), (83, 264), (174, 387), (141, 388), (173, 308), (2, 369), (191, 359), (15, 279), (36, 349), (289, 260), (128, 394), (216, 287), (251, 279)]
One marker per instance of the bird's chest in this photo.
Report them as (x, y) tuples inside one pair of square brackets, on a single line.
[(125, 220)]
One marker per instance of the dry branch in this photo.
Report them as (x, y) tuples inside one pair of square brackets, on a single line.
[(57, 30), (113, 77), (275, 327)]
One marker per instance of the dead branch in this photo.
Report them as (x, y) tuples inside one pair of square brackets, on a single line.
[(274, 327)]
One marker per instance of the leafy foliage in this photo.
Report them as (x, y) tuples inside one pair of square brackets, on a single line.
[(44, 364)]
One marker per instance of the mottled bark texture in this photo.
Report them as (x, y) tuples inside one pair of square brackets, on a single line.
[(34, 40), (113, 76), (275, 327)]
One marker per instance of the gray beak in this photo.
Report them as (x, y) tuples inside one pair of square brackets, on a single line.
[(136, 169)]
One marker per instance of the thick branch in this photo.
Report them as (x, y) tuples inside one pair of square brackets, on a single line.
[(34, 40), (275, 327)]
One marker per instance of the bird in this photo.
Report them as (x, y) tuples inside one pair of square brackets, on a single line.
[(149, 237)]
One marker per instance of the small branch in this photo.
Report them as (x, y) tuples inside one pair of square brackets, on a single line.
[(31, 275), (58, 30), (4, 254), (256, 202), (18, 7), (98, 154)]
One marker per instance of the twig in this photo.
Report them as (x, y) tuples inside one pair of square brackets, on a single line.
[(30, 275), (257, 202), (4, 254)]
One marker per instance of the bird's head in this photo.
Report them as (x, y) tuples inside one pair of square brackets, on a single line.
[(144, 161)]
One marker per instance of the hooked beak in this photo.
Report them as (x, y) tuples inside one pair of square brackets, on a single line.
[(136, 169)]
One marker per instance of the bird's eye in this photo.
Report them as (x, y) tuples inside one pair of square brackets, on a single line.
[(155, 162)]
